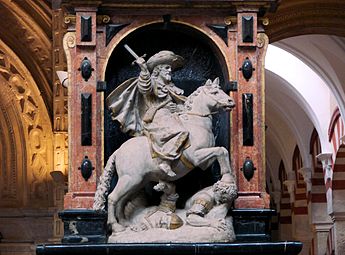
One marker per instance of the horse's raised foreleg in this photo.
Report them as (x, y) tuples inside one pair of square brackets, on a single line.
[(123, 186), (208, 155)]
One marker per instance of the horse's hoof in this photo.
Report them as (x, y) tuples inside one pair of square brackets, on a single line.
[(117, 228)]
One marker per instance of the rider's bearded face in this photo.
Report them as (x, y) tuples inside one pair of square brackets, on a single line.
[(163, 79), (165, 73)]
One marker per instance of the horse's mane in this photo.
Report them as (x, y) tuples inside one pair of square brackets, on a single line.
[(188, 103)]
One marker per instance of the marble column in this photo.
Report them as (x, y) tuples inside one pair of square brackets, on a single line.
[(249, 130), (84, 104)]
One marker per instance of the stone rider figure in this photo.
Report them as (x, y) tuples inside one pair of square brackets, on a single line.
[(147, 105)]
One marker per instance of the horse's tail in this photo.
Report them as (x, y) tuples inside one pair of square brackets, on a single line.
[(104, 184)]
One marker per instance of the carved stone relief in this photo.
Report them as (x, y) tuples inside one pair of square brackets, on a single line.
[(11, 133), (30, 38), (59, 64), (35, 122), (61, 153)]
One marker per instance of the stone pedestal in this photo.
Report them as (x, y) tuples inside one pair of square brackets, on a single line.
[(252, 224), (263, 248), (84, 226)]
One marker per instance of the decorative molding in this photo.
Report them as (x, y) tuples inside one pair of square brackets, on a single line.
[(35, 121), (306, 172), (230, 20), (71, 40), (61, 152), (326, 160), (306, 17), (337, 216), (35, 46), (262, 40), (322, 226), (60, 107), (291, 185), (71, 19), (12, 151)]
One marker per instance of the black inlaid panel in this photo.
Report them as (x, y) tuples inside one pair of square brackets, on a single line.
[(247, 29), (86, 121), (247, 112), (86, 29)]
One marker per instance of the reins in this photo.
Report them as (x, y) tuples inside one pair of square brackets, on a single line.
[(199, 114)]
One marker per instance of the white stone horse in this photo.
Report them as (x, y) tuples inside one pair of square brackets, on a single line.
[(135, 166)]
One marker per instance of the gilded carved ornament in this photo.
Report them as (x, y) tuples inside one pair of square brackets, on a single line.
[(261, 40), (35, 121), (101, 19), (33, 37)]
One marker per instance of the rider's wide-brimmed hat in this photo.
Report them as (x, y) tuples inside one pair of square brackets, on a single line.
[(165, 57)]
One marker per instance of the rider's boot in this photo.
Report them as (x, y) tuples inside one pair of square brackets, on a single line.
[(166, 168)]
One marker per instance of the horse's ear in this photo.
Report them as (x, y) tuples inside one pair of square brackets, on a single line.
[(216, 81), (208, 82)]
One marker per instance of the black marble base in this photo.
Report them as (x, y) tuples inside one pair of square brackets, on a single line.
[(266, 248), (84, 226), (252, 225)]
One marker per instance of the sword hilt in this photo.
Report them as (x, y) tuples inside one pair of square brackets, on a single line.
[(133, 53)]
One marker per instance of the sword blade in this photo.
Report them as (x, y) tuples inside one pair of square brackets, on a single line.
[(131, 51)]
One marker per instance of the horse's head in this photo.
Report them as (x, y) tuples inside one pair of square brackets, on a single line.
[(220, 100)]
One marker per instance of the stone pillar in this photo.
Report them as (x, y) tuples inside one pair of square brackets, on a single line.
[(249, 131), (320, 233), (84, 104), (306, 173), (326, 160), (291, 184), (337, 208), (300, 221), (277, 199), (339, 231), (321, 221)]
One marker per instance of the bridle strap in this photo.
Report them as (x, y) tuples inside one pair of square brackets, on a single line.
[(199, 114)]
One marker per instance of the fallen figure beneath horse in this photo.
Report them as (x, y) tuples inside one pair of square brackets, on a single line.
[(135, 166)]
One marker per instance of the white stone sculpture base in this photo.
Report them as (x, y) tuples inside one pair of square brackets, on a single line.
[(184, 234)]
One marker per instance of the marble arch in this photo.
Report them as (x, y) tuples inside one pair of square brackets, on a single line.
[(218, 45)]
